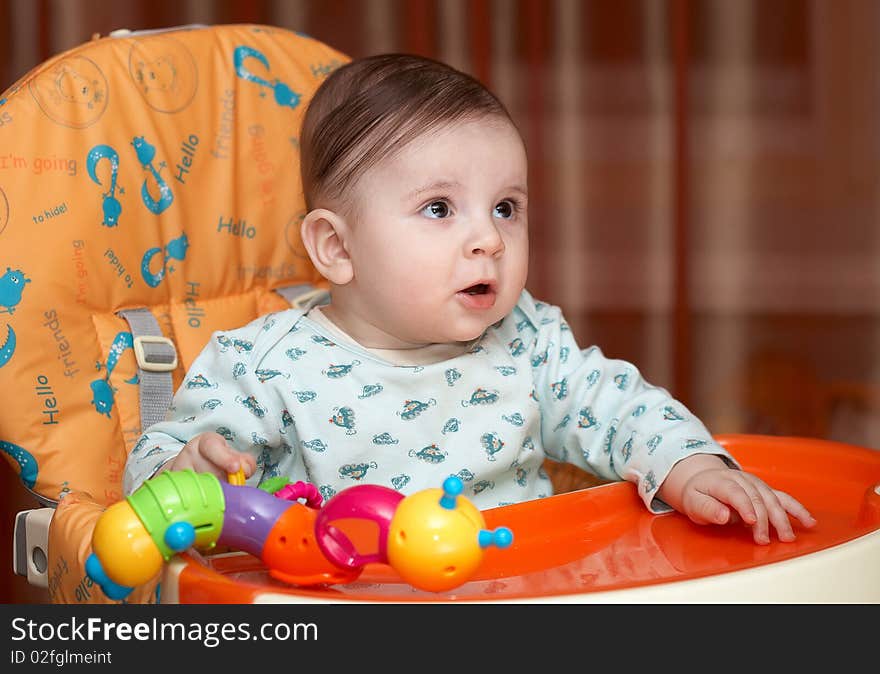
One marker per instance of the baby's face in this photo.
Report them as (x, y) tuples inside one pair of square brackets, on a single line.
[(439, 237)]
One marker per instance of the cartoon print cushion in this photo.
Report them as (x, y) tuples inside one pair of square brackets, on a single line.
[(157, 169)]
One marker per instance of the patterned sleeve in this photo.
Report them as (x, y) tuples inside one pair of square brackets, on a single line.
[(224, 391), (600, 414)]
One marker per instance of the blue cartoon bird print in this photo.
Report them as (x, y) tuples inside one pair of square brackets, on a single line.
[(199, 381), (560, 388), (264, 375), (339, 371), (400, 481), (344, 418), (670, 414), (11, 288), (482, 486), (316, 445), (465, 475), (413, 408), (429, 454), (516, 347), (451, 426), (492, 444), (515, 419), (356, 471), (252, 404), (286, 420), (481, 396), (370, 390), (586, 418)]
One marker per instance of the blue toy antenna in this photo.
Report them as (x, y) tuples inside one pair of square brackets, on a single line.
[(452, 487), (96, 573), (502, 537), (179, 536)]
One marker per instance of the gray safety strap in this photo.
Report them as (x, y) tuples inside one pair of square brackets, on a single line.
[(156, 358), (156, 355), (303, 296)]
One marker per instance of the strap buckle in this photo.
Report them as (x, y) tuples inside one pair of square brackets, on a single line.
[(306, 299), (155, 356)]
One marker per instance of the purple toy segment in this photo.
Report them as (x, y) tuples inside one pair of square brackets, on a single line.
[(249, 517), (371, 502)]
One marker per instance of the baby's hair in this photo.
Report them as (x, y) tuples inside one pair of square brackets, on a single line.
[(372, 107)]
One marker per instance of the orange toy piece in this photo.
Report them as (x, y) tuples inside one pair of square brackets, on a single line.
[(292, 555)]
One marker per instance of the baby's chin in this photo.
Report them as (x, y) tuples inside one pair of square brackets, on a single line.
[(465, 335)]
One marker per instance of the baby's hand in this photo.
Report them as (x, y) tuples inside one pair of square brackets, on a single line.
[(209, 453), (708, 492)]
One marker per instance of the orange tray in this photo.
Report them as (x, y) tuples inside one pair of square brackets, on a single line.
[(601, 544)]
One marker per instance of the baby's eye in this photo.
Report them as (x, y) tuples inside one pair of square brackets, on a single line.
[(436, 209), (505, 209)]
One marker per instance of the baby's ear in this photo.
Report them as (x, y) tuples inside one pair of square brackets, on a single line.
[(323, 234)]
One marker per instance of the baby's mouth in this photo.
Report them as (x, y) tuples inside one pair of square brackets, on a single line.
[(477, 289), (479, 296)]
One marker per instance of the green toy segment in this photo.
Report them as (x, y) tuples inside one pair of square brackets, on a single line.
[(273, 484), (181, 496)]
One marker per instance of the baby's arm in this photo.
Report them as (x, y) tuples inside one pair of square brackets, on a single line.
[(705, 489), (602, 415), (216, 411)]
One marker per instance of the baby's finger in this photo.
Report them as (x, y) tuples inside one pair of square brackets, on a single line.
[(247, 463), (761, 527), (743, 497), (197, 463), (795, 508), (214, 449), (776, 513), (703, 509)]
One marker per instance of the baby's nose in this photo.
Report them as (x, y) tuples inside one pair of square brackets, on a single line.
[(488, 241)]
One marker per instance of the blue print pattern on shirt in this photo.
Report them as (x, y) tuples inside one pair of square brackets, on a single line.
[(334, 414)]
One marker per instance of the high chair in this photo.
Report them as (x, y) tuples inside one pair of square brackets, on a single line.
[(149, 195)]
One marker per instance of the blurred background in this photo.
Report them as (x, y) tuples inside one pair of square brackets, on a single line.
[(703, 179)]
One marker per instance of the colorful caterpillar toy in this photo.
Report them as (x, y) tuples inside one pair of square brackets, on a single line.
[(434, 538)]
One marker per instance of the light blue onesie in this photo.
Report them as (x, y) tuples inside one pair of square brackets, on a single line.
[(336, 415)]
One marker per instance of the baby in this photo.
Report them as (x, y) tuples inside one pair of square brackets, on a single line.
[(431, 359)]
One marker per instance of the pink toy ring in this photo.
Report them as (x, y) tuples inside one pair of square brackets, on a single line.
[(371, 502), (305, 490)]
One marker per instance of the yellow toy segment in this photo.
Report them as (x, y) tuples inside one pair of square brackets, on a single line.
[(130, 556), (415, 550), (236, 478)]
